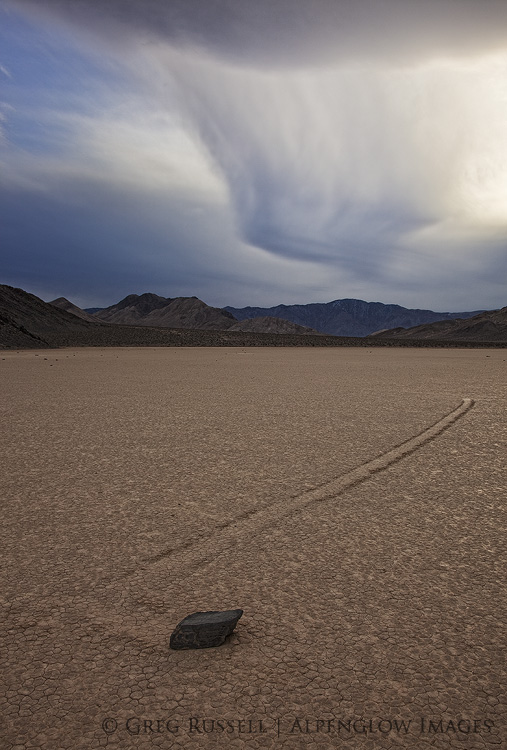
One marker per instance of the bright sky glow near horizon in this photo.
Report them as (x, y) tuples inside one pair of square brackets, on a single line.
[(255, 153)]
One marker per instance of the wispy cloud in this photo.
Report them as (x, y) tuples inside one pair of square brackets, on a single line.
[(269, 154), (346, 164)]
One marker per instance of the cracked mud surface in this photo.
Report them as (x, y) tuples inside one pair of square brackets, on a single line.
[(350, 501)]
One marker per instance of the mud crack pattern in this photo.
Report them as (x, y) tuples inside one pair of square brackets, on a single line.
[(142, 486)]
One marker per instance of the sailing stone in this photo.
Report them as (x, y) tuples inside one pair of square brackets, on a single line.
[(205, 629)]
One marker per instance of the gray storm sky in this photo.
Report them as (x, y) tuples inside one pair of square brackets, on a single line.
[(255, 153)]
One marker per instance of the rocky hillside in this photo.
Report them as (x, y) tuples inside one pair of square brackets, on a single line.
[(63, 304), (191, 313), (26, 322), (271, 325), (181, 312), (348, 317), (488, 326), (25, 319)]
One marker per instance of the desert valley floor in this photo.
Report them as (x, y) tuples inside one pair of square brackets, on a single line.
[(351, 501)]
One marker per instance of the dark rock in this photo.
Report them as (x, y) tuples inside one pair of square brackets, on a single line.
[(205, 629)]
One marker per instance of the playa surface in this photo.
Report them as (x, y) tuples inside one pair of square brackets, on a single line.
[(141, 485)]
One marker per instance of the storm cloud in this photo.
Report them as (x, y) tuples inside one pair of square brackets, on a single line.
[(299, 33), (258, 153)]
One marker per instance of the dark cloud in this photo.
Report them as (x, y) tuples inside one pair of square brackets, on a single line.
[(257, 152), (95, 242), (298, 32), (85, 239)]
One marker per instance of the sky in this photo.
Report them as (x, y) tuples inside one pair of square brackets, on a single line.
[(255, 153)]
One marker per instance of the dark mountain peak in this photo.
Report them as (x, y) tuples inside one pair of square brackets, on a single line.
[(137, 300), (125, 302), (177, 312), (62, 303), (347, 317), (347, 300), (155, 298), (133, 306)]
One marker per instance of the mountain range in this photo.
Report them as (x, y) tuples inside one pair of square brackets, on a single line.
[(179, 312), (345, 317), (185, 312), (27, 322), (487, 326), (349, 317), (148, 319)]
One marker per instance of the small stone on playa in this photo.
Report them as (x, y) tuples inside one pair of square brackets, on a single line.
[(205, 629)]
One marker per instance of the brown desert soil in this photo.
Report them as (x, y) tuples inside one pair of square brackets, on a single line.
[(350, 500)]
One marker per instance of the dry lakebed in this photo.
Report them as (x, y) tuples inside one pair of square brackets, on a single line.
[(351, 501)]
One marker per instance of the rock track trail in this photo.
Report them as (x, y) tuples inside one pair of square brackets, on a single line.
[(243, 528)]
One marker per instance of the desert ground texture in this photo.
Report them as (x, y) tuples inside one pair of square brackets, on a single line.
[(351, 501)]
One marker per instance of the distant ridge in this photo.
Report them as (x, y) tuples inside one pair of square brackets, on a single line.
[(348, 317), (487, 326), (63, 304), (152, 310), (345, 317), (189, 312), (26, 322)]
